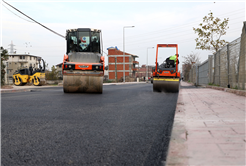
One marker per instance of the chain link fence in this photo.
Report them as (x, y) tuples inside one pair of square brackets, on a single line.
[(226, 68)]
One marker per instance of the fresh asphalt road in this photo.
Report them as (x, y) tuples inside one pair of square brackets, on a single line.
[(126, 125)]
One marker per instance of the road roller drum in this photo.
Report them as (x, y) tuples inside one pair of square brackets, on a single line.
[(82, 84), (166, 85)]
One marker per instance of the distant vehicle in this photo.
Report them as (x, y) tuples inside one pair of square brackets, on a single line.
[(35, 76), (166, 76)]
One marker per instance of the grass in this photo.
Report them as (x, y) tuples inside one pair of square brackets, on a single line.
[(213, 84), (109, 81), (53, 84)]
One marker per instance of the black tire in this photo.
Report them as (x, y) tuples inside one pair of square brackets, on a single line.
[(20, 82), (38, 81)]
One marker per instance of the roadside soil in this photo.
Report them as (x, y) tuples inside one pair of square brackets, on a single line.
[(6, 87)]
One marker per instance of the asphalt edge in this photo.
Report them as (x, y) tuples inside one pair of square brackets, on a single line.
[(14, 90), (177, 156)]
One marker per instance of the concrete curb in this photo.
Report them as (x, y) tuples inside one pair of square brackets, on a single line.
[(237, 92), (14, 90)]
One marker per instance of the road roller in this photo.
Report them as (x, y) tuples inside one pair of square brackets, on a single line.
[(36, 76), (83, 64), (166, 77)]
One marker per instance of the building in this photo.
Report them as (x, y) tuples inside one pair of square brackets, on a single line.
[(142, 71), (59, 70), (18, 61), (115, 64)]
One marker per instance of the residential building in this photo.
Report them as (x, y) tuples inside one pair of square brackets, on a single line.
[(141, 72), (115, 64), (59, 70)]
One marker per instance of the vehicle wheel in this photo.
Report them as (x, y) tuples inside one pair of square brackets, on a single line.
[(18, 81), (36, 82)]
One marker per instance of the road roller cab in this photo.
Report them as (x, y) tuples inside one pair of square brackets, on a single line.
[(83, 64), (166, 76)]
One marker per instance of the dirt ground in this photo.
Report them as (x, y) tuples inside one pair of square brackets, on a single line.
[(6, 86)]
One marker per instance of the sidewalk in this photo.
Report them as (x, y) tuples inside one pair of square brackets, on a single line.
[(208, 129)]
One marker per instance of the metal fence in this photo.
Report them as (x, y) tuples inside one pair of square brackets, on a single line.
[(225, 68), (242, 61)]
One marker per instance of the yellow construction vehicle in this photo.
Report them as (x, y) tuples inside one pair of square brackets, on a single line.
[(35, 76)]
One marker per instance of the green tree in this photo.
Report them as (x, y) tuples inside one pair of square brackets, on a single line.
[(4, 57), (210, 33), (53, 74)]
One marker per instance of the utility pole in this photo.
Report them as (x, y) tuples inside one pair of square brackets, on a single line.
[(115, 64), (147, 68), (11, 48), (124, 50)]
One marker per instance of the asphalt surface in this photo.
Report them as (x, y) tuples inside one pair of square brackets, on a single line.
[(126, 125)]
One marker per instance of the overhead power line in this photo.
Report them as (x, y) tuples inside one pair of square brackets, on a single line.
[(35, 21), (176, 27), (17, 15)]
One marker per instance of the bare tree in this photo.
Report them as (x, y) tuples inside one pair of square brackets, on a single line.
[(189, 60), (192, 58)]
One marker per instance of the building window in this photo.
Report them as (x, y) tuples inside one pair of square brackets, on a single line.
[(30, 58)]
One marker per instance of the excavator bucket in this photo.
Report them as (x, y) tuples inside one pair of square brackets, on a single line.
[(166, 85)]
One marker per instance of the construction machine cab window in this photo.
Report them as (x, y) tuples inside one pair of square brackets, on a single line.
[(83, 41)]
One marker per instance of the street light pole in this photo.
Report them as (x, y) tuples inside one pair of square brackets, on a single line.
[(147, 68), (124, 50)]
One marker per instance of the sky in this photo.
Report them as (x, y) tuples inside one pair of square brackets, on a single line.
[(155, 22)]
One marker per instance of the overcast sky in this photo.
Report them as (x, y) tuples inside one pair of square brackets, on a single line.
[(158, 22)]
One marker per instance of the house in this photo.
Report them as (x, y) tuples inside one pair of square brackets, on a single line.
[(142, 71), (115, 64)]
